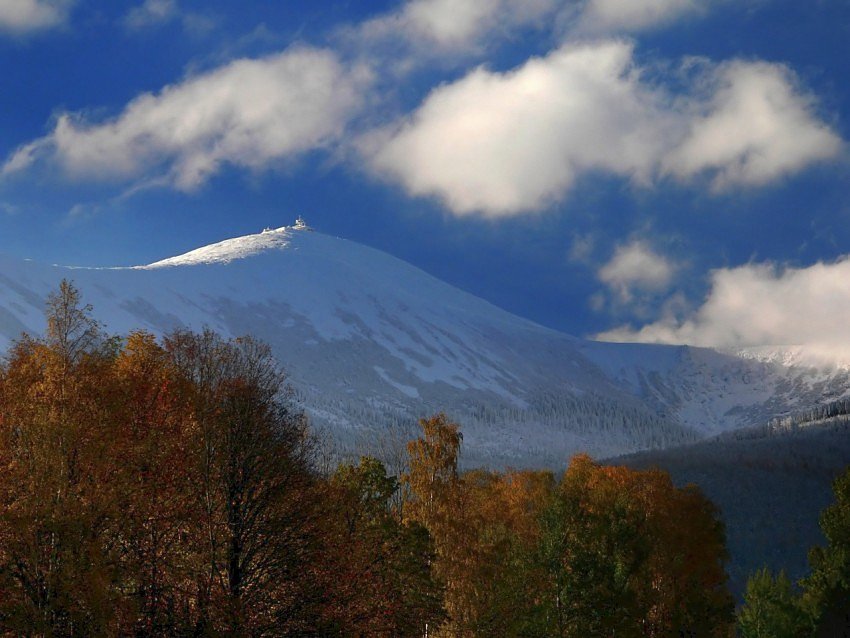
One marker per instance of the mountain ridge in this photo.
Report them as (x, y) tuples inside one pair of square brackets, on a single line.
[(371, 342)]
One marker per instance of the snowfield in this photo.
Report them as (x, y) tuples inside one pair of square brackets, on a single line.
[(371, 343)]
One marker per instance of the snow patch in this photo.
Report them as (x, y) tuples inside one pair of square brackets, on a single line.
[(226, 251), (408, 390)]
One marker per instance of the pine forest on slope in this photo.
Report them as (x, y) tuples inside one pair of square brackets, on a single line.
[(371, 342)]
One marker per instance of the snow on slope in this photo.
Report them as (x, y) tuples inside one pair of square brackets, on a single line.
[(717, 391), (370, 341), (226, 251)]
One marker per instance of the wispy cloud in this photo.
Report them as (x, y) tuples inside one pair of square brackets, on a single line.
[(249, 113), (427, 29), (153, 13), (630, 16), (434, 27), (636, 268), (27, 16)]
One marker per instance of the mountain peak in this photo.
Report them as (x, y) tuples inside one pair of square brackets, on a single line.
[(224, 252)]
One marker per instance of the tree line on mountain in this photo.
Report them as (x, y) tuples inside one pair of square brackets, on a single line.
[(838, 410), (610, 425), (820, 605), (170, 488)]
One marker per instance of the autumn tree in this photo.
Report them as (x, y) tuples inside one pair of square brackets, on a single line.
[(377, 569), (433, 486), (497, 583), (433, 475), (151, 489), (253, 485), (71, 330), (640, 557), (484, 525), (55, 496), (154, 429)]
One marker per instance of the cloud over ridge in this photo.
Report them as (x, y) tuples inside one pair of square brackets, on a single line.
[(763, 305)]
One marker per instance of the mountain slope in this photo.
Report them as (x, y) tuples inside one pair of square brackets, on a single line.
[(715, 391), (370, 341), (769, 485)]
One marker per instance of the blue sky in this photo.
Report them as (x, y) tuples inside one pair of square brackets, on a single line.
[(655, 170)]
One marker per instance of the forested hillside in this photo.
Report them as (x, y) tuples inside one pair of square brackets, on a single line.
[(770, 484), (169, 487), (372, 343)]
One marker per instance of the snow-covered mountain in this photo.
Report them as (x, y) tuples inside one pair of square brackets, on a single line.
[(370, 342)]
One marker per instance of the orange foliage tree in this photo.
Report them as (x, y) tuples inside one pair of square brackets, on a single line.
[(484, 525), (609, 551), (157, 488), (151, 489), (639, 557)]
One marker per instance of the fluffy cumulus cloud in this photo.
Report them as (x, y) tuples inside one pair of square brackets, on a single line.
[(636, 268), (249, 113), (505, 143), (23, 16), (763, 305), (755, 126)]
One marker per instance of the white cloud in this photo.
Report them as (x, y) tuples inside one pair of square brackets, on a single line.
[(150, 13), (457, 24), (23, 16), (756, 126), (629, 16), (249, 113), (421, 31), (763, 305), (506, 143), (449, 21), (434, 27), (634, 268)]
